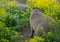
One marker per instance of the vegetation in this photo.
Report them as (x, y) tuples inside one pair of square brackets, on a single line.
[(50, 37), (13, 20)]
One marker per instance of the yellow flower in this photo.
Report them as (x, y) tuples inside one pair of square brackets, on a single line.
[(22, 14), (41, 3), (10, 17), (59, 20), (16, 32), (1, 23), (2, 11), (4, 40), (12, 3), (33, 40), (7, 29), (49, 32)]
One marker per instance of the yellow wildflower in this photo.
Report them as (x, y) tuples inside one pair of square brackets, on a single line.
[(16, 32), (7, 29), (22, 14), (12, 3), (49, 32)]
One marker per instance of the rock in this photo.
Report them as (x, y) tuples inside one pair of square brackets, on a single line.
[(20, 5), (22, 1)]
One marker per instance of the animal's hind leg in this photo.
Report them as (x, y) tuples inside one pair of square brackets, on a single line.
[(32, 33)]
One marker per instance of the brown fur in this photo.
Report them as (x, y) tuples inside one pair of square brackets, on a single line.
[(58, 1), (39, 22)]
